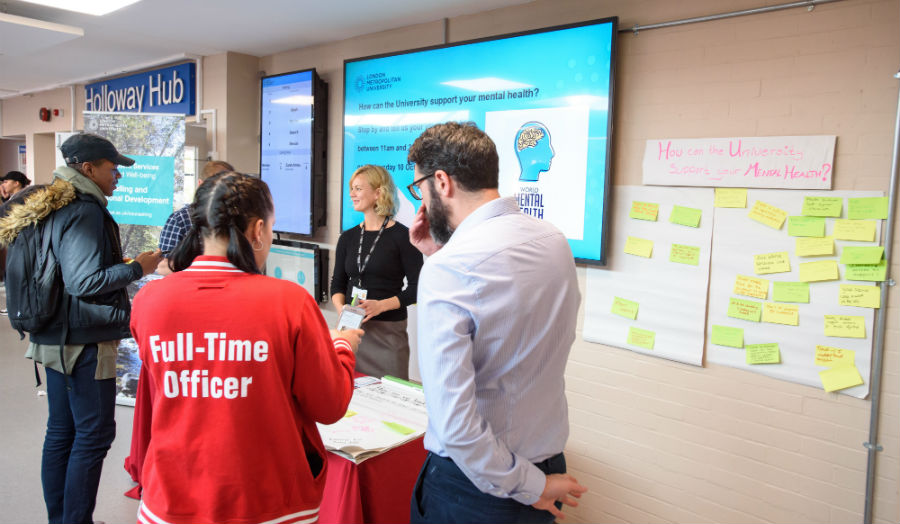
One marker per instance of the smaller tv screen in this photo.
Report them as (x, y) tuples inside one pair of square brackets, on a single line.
[(287, 152), (301, 263)]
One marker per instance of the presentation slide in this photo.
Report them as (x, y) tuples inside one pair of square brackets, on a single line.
[(543, 97), (286, 148)]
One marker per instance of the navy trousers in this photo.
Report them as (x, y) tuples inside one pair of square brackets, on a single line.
[(80, 430), (443, 494)]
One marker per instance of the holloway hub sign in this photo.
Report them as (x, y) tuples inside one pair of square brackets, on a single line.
[(167, 90)]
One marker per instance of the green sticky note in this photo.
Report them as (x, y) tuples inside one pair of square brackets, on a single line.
[(685, 216), (745, 309), (624, 308), (763, 354), (644, 210), (871, 273), (806, 226), (685, 254), (822, 206), (727, 336), (861, 254), (641, 338), (873, 207), (791, 292), (399, 428)]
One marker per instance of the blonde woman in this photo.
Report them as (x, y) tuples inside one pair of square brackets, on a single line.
[(371, 262)]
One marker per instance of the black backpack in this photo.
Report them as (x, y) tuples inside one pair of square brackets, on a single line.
[(34, 286)]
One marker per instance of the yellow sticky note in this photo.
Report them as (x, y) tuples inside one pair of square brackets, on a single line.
[(727, 336), (685, 254), (790, 292), (767, 263), (767, 214), (763, 353), (813, 247), (818, 271), (686, 216), (872, 273), (644, 210), (871, 207), (861, 254), (859, 230), (860, 296), (786, 314), (641, 338), (731, 197), (744, 309), (845, 326), (834, 357), (625, 308), (822, 206), (639, 246), (751, 287), (838, 378)]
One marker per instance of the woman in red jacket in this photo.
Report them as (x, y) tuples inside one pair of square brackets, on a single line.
[(243, 367)]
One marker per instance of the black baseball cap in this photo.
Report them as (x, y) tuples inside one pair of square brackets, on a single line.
[(18, 176), (87, 147)]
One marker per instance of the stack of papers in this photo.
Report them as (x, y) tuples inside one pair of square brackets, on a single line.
[(381, 416)]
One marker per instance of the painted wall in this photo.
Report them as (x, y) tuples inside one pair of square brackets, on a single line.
[(657, 441), (9, 154)]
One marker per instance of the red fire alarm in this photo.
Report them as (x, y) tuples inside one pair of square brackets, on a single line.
[(44, 114)]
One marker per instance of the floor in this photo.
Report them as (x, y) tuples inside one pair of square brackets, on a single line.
[(23, 416)]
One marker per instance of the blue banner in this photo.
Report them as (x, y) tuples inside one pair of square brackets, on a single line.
[(167, 90), (145, 192)]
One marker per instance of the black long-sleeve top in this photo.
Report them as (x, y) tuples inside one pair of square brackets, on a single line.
[(393, 258)]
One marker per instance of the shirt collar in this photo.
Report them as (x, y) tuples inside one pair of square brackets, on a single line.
[(487, 211), (213, 263)]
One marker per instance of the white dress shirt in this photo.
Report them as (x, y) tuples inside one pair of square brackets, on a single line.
[(497, 310)]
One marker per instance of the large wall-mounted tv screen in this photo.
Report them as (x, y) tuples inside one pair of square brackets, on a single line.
[(292, 142), (545, 98)]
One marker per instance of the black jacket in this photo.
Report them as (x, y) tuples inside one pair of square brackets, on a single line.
[(86, 242)]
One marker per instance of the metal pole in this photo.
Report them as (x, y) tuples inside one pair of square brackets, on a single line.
[(880, 320), (808, 4)]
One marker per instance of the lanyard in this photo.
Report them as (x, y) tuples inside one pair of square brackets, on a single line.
[(360, 263)]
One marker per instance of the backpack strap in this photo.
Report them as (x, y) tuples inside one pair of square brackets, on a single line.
[(47, 240)]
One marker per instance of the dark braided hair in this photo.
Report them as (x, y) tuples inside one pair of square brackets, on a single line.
[(224, 205)]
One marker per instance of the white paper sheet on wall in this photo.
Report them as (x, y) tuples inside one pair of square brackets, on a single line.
[(736, 239), (670, 296)]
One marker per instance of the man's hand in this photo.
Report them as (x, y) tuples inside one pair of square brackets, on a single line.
[(149, 260), (559, 487), (420, 233), (353, 336)]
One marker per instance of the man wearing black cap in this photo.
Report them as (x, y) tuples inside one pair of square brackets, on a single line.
[(12, 183), (81, 388)]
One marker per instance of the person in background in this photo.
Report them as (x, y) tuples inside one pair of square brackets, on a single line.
[(179, 222), (81, 377), (12, 183), (371, 262), (243, 367), (498, 301)]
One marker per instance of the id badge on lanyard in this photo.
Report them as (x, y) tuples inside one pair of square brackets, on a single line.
[(358, 292), (357, 295)]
